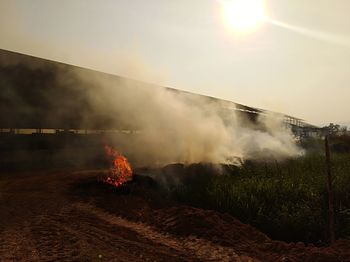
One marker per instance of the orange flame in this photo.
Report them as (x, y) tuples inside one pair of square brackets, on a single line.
[(120, 171)]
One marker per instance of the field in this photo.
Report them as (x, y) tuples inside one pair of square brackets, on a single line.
[(286, 200), (69, 216), (185, 213)]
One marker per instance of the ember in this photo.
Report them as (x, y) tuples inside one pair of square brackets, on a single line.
[(120, 171)]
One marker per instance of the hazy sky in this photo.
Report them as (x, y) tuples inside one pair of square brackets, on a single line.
[(186, 44)]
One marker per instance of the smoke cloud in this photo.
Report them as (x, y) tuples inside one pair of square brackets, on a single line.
[(153, 125), (177, 127)]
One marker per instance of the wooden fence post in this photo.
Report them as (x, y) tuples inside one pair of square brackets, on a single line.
[(330, 194)]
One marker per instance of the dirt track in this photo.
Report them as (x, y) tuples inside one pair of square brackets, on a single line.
[(58, 216), (39, 221)]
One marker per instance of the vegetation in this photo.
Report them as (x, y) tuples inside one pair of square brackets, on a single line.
[(286, 200)]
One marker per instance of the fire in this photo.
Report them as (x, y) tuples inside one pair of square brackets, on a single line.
[(120, 171)]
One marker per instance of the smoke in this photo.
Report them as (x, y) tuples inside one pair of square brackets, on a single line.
[(153, 125), (178, 127)]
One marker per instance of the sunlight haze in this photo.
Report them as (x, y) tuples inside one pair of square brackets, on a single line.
[(190, 45)]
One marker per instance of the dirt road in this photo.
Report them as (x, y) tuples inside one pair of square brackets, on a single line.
[(41, 222)]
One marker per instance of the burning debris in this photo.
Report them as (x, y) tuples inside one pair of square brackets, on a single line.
[(120, 171)]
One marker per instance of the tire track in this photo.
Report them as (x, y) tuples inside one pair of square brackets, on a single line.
[(75, 235), (200, 248)]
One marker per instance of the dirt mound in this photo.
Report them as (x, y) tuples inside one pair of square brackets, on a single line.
[(225, 230), (142, 203)]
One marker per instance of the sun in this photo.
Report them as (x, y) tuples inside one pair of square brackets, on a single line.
[(244, 15)]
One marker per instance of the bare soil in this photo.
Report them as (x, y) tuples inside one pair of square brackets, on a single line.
[(70, 216)]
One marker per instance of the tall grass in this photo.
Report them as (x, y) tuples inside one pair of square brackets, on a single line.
[(286, 200)]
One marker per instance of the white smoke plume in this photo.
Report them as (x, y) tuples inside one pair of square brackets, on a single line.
[(175, 127), (155, 125)]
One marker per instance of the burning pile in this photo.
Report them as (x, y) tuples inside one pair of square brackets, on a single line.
[(120, 171)]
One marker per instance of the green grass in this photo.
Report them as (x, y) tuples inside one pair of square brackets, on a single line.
[(286, 200)]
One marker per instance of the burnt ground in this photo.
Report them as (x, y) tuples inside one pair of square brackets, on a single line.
[(69, 216)]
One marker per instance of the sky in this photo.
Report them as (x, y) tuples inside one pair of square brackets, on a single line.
[(301, 68)]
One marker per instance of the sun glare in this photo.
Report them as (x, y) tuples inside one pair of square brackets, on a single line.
[(244, 15)]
